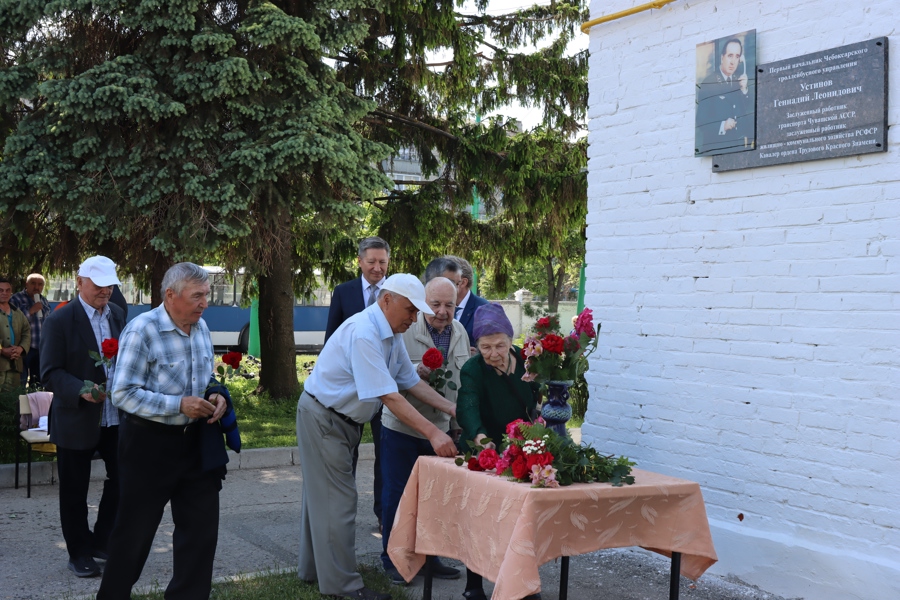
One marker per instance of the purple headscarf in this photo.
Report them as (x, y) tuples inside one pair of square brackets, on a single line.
[(490, 319)]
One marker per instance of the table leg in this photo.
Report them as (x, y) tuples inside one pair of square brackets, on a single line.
[(426, 588), (675, 577), (564, 578)]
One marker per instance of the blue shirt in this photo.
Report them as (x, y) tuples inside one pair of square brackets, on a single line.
[(159, 364), (361, 362), (100, 326)]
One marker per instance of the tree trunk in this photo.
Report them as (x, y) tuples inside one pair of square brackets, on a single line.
[(278, 370), (158, 269), (554, 285)]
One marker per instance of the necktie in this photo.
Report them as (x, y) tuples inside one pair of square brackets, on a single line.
[(373, 290)]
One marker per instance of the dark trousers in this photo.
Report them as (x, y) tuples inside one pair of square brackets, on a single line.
[(32, 369), (400, 452), (375, 424), (74, 468), (157, 467)]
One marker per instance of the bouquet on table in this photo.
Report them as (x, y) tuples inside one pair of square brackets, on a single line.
[(537, 454)]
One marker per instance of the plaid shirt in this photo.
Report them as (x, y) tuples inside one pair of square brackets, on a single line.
[(441, 339), (24, 302), (158, 364)]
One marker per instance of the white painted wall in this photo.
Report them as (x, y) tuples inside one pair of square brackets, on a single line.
[(751, 320)]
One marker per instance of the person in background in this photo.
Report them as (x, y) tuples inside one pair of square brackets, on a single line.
[(492, 395), (36, 308), (15, 339), (467, 302), (83, 423), (348, 299), (402, 445)]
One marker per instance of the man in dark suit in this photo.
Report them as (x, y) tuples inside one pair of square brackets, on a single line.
[(353, 297), (725, 111), (82, 423), (466, 301)]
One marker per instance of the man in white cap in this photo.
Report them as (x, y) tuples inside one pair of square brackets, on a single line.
[(363, 365), (83, 423)]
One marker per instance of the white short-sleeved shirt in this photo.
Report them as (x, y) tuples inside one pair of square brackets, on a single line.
[(362, 361)]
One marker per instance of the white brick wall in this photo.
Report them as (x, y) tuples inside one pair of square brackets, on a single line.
[(751, 320)]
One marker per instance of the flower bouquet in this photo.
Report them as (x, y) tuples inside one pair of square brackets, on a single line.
[(109, 348), (535, 453), (440, 373)]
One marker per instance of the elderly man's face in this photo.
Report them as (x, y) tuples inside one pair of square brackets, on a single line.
[(442, 301), (374, 264), (35, 286), (731, 58), (96, 296), (5, 293), (399, 311), (186, 308)]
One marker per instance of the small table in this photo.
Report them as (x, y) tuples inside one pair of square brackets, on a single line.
[(505, 530)]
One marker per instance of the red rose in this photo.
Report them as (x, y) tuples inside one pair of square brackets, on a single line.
[(543, 323), (553, 343), (488, 459), (544, 458), (515, 451), (512, 430), (232, 359), (433, 358), (519, 468), (473, 465), (110, 347)]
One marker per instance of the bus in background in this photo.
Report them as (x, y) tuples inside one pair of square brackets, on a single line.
[(229, 324)]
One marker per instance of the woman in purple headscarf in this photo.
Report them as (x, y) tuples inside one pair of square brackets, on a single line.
[(492, 394)]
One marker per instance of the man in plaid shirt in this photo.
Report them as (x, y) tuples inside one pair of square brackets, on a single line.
[(36, 308)]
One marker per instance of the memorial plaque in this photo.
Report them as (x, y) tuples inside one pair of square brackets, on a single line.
[(822, 105)]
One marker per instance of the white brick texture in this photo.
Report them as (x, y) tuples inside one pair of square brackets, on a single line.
[(750, 320)]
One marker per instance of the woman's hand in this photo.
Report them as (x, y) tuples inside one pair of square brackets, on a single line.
[(479, 440)]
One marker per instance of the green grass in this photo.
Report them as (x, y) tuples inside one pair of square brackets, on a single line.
[(280, 585)]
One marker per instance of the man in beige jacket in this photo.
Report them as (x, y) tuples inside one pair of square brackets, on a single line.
[(402, 445)]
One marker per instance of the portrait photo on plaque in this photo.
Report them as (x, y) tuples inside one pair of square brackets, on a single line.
[(726, 95)]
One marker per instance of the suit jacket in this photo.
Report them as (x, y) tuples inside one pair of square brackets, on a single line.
[(717, 101), (346, 301), (467, 318), (66, 339)]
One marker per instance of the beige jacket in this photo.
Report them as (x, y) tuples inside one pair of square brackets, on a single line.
[(417, 341)]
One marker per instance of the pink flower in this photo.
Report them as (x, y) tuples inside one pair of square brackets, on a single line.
[(512, 430), (585, 323)]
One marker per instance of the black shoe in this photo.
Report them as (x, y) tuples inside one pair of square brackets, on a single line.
[(84, 567), (100, 555), (476, 594), (395, 576), (441, 571), (365, 593)]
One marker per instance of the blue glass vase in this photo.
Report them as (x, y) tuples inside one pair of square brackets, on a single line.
[(556, 410)]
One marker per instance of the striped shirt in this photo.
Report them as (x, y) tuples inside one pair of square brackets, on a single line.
[(158, 365)]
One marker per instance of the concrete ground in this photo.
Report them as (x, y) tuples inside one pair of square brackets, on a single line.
[(260, 508)]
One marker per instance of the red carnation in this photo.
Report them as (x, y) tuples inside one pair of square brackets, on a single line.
[(232, 359), (543, 323), (515, 451), (585, 324), (553, 343), (109, 348), (519, 468), (473, 465), (544, 458), (488, 459), (433, 358), (512, 430)]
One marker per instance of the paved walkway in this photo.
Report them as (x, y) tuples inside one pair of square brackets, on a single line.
[(258, 531)]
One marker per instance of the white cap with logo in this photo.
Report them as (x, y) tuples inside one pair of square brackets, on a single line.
[(100, 270), (410, 288)]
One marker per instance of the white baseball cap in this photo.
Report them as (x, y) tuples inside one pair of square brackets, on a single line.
[(409, 287), (100, 270)]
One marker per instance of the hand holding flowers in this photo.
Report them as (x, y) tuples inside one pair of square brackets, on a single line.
[(438, 374), (109, 348)]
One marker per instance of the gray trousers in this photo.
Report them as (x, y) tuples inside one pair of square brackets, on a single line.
[(328, 513)]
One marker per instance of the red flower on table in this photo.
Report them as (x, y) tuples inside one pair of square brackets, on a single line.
[(519, 467), (488, 459), (512, 429), (544, 458), (433, 359), (553, 343), (473, 464), (232, 359), (109, 348)]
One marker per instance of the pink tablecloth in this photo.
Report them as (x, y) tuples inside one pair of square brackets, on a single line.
[(505, 530)]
